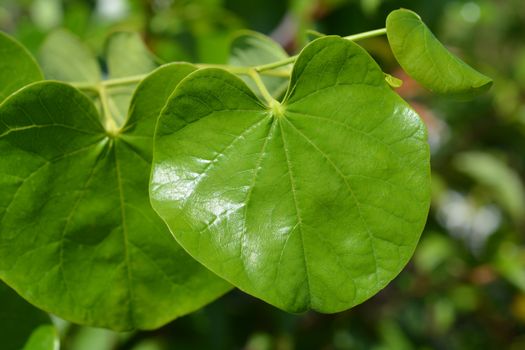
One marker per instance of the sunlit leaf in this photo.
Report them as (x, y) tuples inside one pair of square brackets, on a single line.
[(315, 203), (425, 59)]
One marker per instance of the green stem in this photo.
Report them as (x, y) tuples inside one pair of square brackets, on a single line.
[(123, 81), (289, 60), (265, 69), (366, 35), (111, 83), (260, 85), (110, 126), (273, 65)]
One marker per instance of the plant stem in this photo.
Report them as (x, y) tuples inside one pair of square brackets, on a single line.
[(110, 126), (289, 60), (260, 85), (123, 81), (366, 35), (265, 69), (111, 83)]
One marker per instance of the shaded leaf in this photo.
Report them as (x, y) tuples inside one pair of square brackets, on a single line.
[(78, 236), (313, 204), (126, 55), (502, 181), (17, 67), (426, 60), (64, 57), (250, 49), (22, 326)]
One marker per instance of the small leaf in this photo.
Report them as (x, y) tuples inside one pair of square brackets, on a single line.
[(17, 67), (426, 60), (250, 49), (78, 236), (315, 203), (22, 326), (393, 81), (64, 57)]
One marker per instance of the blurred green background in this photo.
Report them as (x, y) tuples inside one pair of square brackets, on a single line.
[(465, 286)]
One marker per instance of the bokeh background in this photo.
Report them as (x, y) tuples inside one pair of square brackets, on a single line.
[(465, 286)]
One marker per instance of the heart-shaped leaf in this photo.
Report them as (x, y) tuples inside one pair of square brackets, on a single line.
[(17, 67), (78, 236), (426, 60), (250, 49), (22, 326), (315, 203)]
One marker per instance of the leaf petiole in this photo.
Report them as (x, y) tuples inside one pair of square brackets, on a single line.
[(110, 124), (269, 69), (260, 85)]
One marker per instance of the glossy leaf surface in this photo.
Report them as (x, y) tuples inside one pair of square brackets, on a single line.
[(250, 49), (425, 59), (17, 67), (22, 326), (78, 236), (313, 204)]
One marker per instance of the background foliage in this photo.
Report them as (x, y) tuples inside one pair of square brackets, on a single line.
[(465, 286)]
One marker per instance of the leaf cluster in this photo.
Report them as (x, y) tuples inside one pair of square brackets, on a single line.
[(138, 193)]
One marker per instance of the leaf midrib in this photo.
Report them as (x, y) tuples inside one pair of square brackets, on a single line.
[(351, 191), (298, 214)]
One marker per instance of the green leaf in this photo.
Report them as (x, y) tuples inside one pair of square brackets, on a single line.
[(502, 181), (126, 55), (17, 67), (44, 337), (315, 203), (64, 57), (250, 49), (78, 236), (426, 60), (22, 326), (393, 81)]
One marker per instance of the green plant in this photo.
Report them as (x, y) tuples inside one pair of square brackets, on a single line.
[(306, 183)]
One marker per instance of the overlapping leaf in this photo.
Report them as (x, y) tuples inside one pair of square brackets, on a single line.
[(22, 326), (126, 55), (64, 57), (250, 49), (425, 59), (315, 203), (17, 67), (77, 234)]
